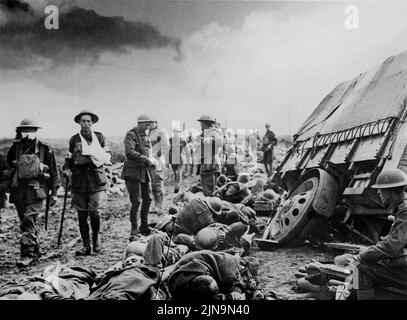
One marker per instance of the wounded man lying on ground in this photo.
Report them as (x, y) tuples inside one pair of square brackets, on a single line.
[(196, 226), (158, 251), (137, 277), (233, 192), (219, 236), (208, 275), (200, 213)]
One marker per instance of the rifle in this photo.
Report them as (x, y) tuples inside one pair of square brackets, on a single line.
[(63, 210)]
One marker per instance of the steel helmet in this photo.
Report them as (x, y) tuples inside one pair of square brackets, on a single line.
[(207, 118), (215, 204), (184, 239), (28, 123), (233, 188), (206, 239), (172, 209), (269, 194), (221, 180), (145, 118), (268, 125), (390, 178), (243, 177)]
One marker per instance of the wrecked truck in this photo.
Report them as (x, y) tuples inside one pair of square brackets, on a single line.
[(356, 131)]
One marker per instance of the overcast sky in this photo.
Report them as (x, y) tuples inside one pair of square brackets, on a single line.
[(245, 63)]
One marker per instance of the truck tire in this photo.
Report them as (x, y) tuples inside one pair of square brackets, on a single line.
[(295, 220)]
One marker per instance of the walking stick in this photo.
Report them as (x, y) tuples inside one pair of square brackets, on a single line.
[(166, 255), (47, 205), (63, 211)]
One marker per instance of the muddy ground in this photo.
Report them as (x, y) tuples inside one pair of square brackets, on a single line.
[(277, 266)]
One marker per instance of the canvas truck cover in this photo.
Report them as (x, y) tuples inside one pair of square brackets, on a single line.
[(373, 95)]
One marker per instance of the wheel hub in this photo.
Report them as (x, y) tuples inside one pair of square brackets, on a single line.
[(293, 210)]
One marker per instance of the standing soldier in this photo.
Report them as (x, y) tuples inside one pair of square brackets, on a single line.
[(177, 156), (137, 147), (189, 168), (160, 144), (269, 141), (35, 175), (211, 147), (85, 162)]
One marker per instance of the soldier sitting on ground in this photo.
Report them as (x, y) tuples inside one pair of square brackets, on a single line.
[(385, 263)]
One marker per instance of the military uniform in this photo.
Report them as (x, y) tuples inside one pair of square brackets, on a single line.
[(88, 184), (230, 273), (28, 195), (137, 176), (227, 236), (195, 216), (177, 159), (269, 141), (210, 167), (385, 263), (159, 144)]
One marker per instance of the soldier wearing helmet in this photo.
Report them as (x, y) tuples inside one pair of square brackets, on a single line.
[(269, 141), (211, 149), (212, 275), (385, 263), (35, 174), (136, 173), (159, 148), (177, 155), (218, 236), (233, 192)]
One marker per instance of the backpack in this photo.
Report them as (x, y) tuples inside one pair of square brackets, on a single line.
[(28, 165)]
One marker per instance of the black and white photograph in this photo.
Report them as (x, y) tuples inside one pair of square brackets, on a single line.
[(203, 152)]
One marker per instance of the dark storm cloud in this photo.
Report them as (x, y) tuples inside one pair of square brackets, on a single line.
[(15, 5), (83, 35)]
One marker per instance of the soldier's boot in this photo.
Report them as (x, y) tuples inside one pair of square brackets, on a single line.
[(134, 232), (144, 229), (95, 224), (29, 243), (25, 262), (84, 230), (28, 257)]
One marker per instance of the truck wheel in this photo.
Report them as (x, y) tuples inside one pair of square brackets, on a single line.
[(294, 222)]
